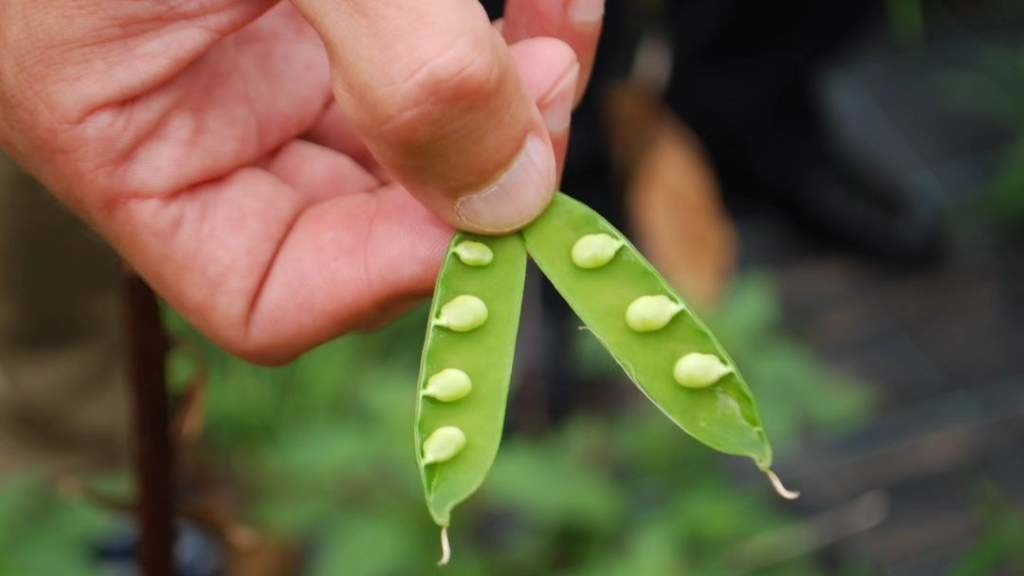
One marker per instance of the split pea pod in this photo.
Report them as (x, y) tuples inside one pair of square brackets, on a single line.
[(466, 368), (662, 346)]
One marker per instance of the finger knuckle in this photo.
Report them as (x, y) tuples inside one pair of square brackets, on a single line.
[(466, 76)]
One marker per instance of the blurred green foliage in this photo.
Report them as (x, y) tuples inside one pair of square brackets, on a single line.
[(324, 451), (321, 453), (906, 19), (42, 533), (999, 550)]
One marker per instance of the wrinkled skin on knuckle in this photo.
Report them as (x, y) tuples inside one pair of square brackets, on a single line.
[(453, 126), (441, 93)]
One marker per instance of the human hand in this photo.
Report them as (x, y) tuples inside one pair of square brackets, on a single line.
[(265, 165)]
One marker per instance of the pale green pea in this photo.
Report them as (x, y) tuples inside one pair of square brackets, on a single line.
[(652, 313), (474, 253), (463, 313), (448, 385), (697, 370), (594, 251), (443, 444), (485, 351), (724, 417)]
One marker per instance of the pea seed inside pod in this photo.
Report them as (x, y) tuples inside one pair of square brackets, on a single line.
[(443, 444), (448, 385), (474, 254), (595, 250), (462, 314), (699, 370), (652, 313)]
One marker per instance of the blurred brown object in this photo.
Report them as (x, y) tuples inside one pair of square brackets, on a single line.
[(673, 196), (63, 406), (267, 558)]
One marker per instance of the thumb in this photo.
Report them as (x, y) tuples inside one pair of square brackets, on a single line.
[(435, 93)]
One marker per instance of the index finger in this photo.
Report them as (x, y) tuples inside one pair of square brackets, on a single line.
[(578, 23)]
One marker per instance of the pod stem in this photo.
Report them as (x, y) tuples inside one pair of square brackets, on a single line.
[(780, 489), (446, 549)]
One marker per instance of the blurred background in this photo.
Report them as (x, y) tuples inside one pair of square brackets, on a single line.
[(838, 186)]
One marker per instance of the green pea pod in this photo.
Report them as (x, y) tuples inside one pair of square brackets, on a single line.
[(466, 368), (600, 274)]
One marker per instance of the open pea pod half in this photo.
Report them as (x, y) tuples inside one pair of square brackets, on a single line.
[(663, 347), (466, 368)]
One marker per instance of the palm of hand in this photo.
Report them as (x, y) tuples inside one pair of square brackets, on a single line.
[(205, 142), (249, 182)]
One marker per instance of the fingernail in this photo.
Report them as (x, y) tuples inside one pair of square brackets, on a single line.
[(518, 197), (557, 107), (586, 12)]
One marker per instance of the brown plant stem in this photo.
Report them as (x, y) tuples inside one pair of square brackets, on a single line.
[(154, 454)]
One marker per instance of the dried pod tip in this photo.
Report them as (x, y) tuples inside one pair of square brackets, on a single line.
[(652, 313), (779, 488), (699, 370), (446, 549), (443, 444), (595, 250), (448, 385), (462, 314), (474, 254)]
